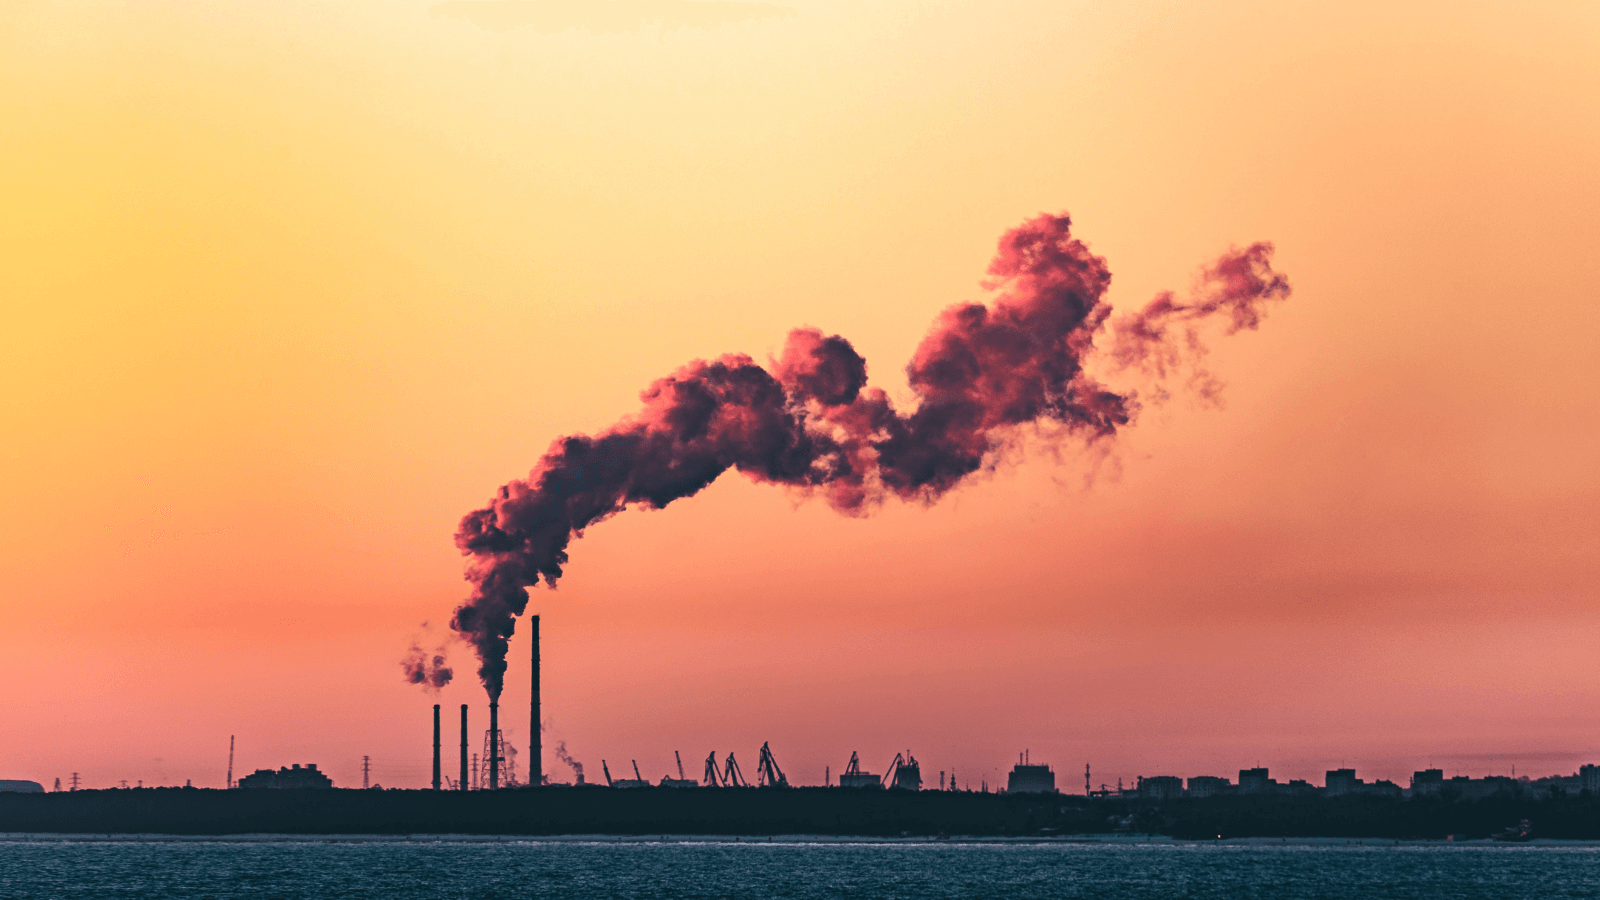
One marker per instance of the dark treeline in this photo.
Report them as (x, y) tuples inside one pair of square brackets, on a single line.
[(756, 812)]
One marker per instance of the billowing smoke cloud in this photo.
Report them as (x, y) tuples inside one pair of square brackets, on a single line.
[(981, 376), (427, 668), (561, 754)]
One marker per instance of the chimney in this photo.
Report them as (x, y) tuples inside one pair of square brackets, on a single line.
[(464, 782), (436, 746), (494, 745), (535, 757)]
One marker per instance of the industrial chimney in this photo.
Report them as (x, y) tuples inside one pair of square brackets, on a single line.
[(464, 782), (494, 745), (436, 746), (535, 757)]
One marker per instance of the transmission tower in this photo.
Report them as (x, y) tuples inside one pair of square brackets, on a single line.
[(74, 780), (230, 762), (494, 748), (366, 771)]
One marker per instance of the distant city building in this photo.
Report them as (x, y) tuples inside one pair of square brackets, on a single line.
[(1297, 787), (1341, 781), (1209, 786), (1160, 787), (1255, 781), (21, 787), (1463, 788), (293, 777), (1427, 781), (1384, 788), (1031, 780)]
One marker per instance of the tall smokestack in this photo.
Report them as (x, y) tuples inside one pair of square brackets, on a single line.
[(494, 744), (535, 759), (436, 746), (464, 782)]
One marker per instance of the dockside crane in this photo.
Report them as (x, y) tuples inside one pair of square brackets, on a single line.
[(711, 778), (767, 772), (636, 776), (888, 776), (731, 776), (680, 765), (606, 771)]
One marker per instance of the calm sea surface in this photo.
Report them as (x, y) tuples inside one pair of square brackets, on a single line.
[(294, 868)]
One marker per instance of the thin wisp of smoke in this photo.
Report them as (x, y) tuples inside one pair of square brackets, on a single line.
[(809, 422), (561, 754), (429, 669)]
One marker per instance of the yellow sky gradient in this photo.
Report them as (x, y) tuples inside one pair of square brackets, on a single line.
[(288, 288)]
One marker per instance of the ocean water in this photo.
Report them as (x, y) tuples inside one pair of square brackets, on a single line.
[(302, 869)]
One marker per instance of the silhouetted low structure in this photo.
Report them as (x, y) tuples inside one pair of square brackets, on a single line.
[(21, 787), (293, 777), (807, 810), (1027, 779)]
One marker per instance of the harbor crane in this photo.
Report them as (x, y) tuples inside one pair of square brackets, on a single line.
[(731, 776), (767, 772), (711, 778)]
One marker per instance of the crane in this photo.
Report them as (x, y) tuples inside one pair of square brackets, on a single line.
[(606, 771), (888, 776), (711, 778), (767, 772), (732, 777), (636, 776), (680, 765)]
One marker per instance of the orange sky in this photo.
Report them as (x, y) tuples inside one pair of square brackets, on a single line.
[(290, 287)]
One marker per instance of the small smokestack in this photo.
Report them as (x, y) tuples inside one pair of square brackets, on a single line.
[(494, 745), (464, 782), (436, 772), (535, 757)]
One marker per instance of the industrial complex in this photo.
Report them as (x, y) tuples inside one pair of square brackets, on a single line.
[(487, 796)]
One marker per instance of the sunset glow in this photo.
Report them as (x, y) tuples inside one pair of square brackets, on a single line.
[(292, 287)]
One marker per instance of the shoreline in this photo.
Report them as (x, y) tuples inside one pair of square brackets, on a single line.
[(785, 840)]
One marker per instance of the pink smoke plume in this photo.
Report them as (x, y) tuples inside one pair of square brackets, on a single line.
[(811, 423)]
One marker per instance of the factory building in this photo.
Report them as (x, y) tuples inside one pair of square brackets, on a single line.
[(1027, 778), (293, 777), (907, 773)]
